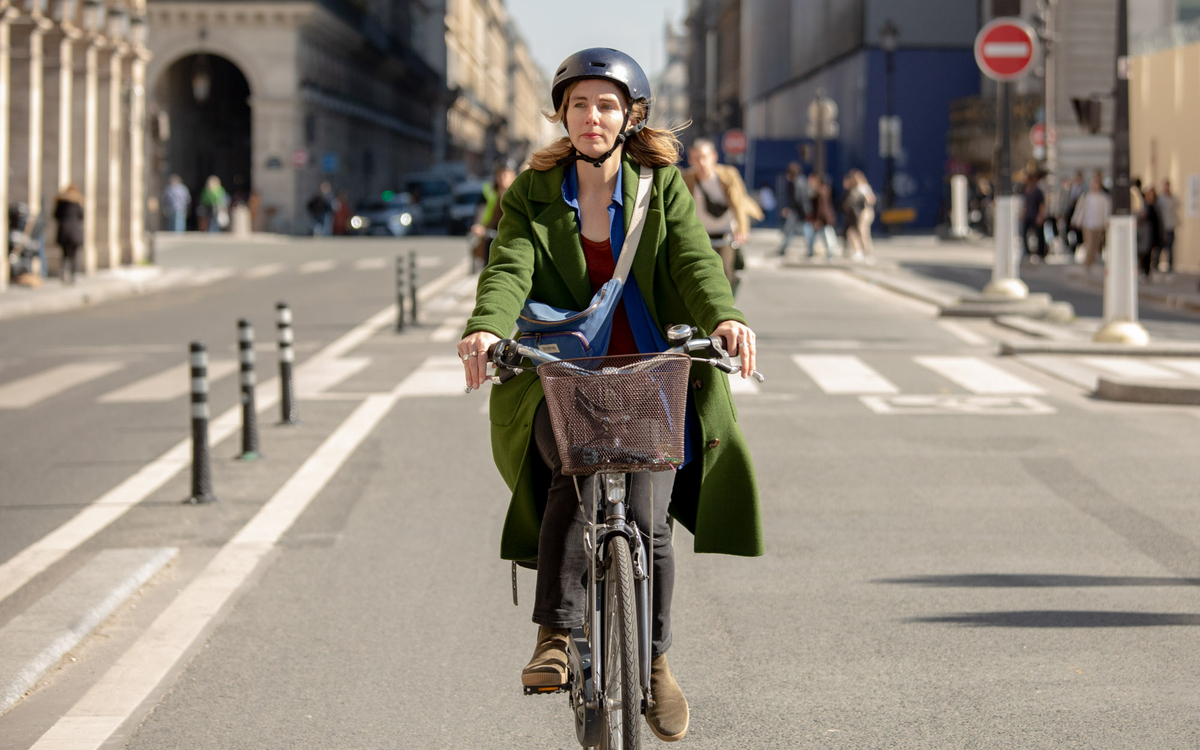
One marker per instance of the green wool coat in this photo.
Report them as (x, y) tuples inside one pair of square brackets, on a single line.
[(538, 254)]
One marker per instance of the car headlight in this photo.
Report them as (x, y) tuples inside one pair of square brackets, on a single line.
[(359, 222), (406, 219)]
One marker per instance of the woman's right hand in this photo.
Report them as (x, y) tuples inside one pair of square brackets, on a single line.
[(472, 350)]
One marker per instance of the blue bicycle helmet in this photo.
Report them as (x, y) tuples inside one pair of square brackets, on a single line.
[(607, 65)]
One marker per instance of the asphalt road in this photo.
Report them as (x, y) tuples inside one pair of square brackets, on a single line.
[(947, 566)]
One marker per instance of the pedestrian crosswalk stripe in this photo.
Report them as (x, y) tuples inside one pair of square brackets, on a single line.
[(317, 266), (171, 383), (843, 374), (263, 271), (1186, 366), (1130, 367), (962, 333), (978, 376), (450, 329), (738, 384), (437, 376), (320, 374), (23, 393), (370, 264)]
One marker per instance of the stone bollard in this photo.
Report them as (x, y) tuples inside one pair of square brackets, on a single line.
[(249, 412), (400, 285), (287, 385), (201, 467), (412, 285)]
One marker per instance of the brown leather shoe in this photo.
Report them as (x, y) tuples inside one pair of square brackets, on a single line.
[(668, 717), (548, 667)]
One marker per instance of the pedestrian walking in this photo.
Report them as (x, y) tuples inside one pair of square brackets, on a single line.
[(866, 214), (215, 202), (823, 218), (797, 208), (1091, 219), (1149, 232), (853, 203), (68, 212), (1168, 213), (1034, 219), (503, 175), (341, 212), (568, 211), (177, 200), (722, 204), (768, 203), (321, 208)]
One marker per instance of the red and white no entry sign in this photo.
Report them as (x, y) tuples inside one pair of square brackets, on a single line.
[(1037, 135), (733, 143), (1006, 49)]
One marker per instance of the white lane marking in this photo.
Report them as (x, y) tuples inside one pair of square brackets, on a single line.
[(325, 373), (1063, 368), (978, 376), (738, 384), (317, 266), (840, 373), (450, 329), (23, 393), (263, 271), (211, 275), (1186, 366), (370, 264), (914, 405), (1131, 367), (436, 376), (962, 333), (31, 561), (169, 384), (93, 719)]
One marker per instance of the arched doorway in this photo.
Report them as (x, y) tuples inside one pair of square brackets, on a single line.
[(207, 99)]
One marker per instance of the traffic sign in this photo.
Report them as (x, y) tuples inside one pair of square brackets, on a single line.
[(733, 143), (1037, 135), (299, 158), (1005, 49)]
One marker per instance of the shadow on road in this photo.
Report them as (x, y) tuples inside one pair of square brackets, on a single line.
[(1052, 618), (1000, 580)]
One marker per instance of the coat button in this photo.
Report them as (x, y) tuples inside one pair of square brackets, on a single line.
[(698, 384), (714, 442)]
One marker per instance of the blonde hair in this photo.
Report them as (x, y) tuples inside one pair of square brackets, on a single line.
[(650, 147)]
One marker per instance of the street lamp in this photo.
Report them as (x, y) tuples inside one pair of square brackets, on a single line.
[(64, 11), (889, 38), (93, 16)]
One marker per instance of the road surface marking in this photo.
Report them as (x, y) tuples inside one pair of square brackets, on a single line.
[(942, 404), (843, 374), (317, 266), (1063, 368), (130, 681), (450, 329), (31, 561), (211, 275), (436, 376), (171, 383), (262, 272), (1186, 366), (370, 264), (979, 377), (23, 393), (322, 374), (963, 334), (1130, 367), (738, 384)]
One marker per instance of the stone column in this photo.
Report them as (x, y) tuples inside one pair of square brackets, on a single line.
[(66, 92), (116, 63), (37, 64), (7, 15), (137, 156), (91, 128)]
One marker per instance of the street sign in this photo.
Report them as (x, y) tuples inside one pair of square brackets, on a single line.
[(299, 158), (733, 143), (329, 162), (889, 136), (1005, 49), (1037, 135)]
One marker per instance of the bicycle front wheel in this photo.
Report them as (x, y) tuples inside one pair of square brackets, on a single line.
[(622, 691)]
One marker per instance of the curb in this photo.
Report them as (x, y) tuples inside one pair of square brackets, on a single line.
[(1036, 328), (35, 640), (907, 287), (1116, 389), (1153, 349), (70, 299)]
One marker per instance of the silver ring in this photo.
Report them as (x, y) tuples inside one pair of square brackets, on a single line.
[(474, 354), (465, 358)]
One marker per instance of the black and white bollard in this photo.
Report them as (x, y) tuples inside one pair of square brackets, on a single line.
[(249, 412), (412, 285), (201, 466), (287, 385), (400, 289)]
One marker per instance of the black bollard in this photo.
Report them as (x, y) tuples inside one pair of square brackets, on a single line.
[(400, 294), (201, 469), (412, 284), (249, 412), (287, 398)]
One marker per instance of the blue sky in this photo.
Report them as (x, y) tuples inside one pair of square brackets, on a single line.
[(555, 29)]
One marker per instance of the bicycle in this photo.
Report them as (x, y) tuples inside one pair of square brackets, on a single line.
[(612, 416)]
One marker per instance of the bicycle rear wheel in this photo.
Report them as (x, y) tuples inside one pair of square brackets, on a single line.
[(622, 689)]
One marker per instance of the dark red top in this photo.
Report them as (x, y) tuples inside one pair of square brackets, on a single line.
[(600, 267)]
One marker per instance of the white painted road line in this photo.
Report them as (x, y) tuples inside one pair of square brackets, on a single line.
[(978, 376), (843, 374), (317, 266), (1131, 367), (263, 271), (740, 385), (1186, 366), (171, 383), (31, 561), (370, 264), (940, 404), (322, 374), (450, 329), (211, 275), (437, 376), (962, 333), (23, 393)]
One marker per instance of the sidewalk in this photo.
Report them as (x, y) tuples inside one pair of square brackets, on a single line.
[(53, 296)]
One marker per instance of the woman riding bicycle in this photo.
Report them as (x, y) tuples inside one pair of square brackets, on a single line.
[(563, 219)]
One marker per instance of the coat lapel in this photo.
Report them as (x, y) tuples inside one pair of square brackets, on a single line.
[(557, 234)]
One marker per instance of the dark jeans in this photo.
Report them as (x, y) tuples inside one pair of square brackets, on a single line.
[(1167, 249), (1036, 228), (562, 560)]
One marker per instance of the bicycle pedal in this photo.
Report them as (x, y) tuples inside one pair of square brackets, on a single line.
[(544, 689)]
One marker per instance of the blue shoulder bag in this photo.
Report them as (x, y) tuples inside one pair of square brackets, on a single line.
[(568, 334)]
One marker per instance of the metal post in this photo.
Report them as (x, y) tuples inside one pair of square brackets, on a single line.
[(959, 226), (412, 285), (249, 412), (1120, 285), (287, 400), (1005, 282), (889, 165), (400, 286), (821, 134), (201, 468)]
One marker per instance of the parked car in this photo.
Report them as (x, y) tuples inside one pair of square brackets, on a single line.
[(394, 217), (468, 197), (433, 191)]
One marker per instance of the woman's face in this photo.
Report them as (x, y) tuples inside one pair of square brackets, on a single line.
[(595, 111)]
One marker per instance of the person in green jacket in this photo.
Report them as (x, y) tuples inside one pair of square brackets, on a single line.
[(564, 222)]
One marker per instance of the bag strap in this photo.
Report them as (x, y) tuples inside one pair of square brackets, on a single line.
[(636, 224)]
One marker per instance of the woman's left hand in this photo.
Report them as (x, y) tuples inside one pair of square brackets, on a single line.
[(739, 341)]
